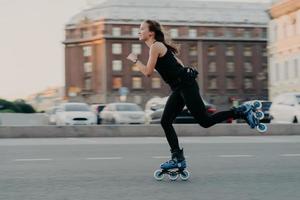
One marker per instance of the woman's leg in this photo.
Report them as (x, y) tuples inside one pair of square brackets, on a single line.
[(197, 108), (173, 107)]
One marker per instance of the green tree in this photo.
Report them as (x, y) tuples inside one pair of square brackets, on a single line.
[(18, 106)]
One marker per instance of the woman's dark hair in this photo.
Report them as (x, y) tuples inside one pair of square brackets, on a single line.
[(155, 27)]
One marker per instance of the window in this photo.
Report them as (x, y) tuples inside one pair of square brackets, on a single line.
[(230, 67), (88, 84), (193, 50), (230, 83), (228, 34), (212, 83), (248, 83), (192, 33), (116, 82), (247, 51), (174, 32), (88, 67), (264, 52), (286, 70), (116, 31), (275, 33), (136, 48), (135, 32), (212, 67), (264, 34), (277, 72), (239, 32), (210, 33), (156, 83), (135, 68), (248, 67), (136, 82), (87, 51), (211, 50), (229, 51), (86, 34), (265, 84), (247, 34), (117, 65), (296, 69), (116, 48), (194, 64)]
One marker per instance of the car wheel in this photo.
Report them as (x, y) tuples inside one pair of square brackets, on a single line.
[(295, 121)]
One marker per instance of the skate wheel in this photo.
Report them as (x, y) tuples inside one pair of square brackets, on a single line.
[(257, 104), (173, 176), (262, 128), (259, 115), (185, 175), (158, 175)]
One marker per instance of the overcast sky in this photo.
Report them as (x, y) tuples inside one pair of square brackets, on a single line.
[(31, 50)]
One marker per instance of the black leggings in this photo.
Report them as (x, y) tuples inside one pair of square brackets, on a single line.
[(188, 95)]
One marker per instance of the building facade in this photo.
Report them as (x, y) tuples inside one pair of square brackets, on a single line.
[(227, 43), (284, 47)]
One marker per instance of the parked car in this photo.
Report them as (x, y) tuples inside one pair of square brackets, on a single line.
[(184, 117), (75, 114), (97, 109), (286, 108), (122, 113), (152, 105), (265, 109), (51, 113)]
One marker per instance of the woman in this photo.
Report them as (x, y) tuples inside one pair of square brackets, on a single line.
[(185, 90)]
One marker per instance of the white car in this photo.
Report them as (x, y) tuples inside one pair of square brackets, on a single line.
[(122, 113), (153, 105), (286, 108), (75, 114)]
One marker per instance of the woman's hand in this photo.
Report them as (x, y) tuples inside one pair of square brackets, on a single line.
[(132, 57)]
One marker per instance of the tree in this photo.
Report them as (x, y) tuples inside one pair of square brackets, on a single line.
[(18, 106)]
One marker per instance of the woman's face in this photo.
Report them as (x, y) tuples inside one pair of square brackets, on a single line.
[(144, 33)]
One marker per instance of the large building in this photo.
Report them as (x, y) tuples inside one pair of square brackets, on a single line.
[(284, 47), (225, 41)]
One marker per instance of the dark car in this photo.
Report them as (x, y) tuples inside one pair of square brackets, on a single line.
[(184, 117), (265, 109)]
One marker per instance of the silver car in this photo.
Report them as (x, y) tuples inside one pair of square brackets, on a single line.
[(122, 113), (286, 108), (75, 114)]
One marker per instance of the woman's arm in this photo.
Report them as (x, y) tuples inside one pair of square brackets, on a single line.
[(148, 69)]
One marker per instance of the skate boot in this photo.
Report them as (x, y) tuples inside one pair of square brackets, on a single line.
[(251, 114), (174, 167)]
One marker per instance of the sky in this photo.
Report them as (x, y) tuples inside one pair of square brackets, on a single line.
[(31, 49)]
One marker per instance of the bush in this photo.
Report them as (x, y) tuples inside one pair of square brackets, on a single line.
[(18, 106)]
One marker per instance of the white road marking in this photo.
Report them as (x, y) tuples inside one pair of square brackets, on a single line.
[(290, 155), (104, 158), (235, 156), (160, 157), (32, 159)]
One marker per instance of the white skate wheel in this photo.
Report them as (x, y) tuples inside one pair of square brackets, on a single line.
[(259, 115), (262, 128), (257, 104), (173, 176), (185, 175), (158, 175)]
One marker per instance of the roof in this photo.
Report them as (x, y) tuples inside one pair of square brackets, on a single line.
[(177, 11)]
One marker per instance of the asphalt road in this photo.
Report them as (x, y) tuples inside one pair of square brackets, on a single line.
[(225, 168)]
